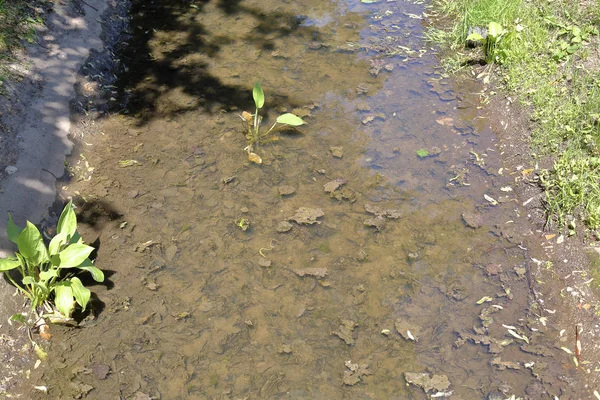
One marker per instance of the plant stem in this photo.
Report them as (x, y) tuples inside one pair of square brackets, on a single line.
[(10, 278), (256, 126), (269, 131)]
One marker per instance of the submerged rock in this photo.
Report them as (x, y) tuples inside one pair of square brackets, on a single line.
[(284, 226), (472, 219), (337, 152), (286, 190)]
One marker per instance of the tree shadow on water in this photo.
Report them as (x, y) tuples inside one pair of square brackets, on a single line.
[(176, 24)]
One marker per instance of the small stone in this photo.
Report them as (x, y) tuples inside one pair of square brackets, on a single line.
[(284, 226), (286, 190), (446, 121), (100, 371), (171, 252), (472, 219), (285, 349), (263, 262), (244, 210), (10, 169), (337, 152)]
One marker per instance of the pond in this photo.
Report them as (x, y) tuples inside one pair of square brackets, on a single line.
[(372, 254)]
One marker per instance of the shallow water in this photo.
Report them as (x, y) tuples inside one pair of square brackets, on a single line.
[(199, 308)]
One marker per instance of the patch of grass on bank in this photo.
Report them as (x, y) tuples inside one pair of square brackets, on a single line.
[(548, 58), (17, 21)]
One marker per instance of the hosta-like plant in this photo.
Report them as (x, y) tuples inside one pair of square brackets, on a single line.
[(47, 273), (253, 134)]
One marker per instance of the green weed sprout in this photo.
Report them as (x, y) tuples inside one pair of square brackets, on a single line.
[(48, 273), (491, 42), (253, 135)]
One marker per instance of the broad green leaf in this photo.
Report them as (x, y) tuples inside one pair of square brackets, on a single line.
[(31, 245), (422, 153), (64, 298), (12, 230), (495, 30), (290, 119), (57, 242), (81, 293), (67, 223), (6, 264), (475, 37), (258, 95), (76, 238), (88, 266), (73, 255), (28, 280), (18, 318), (47, 275)]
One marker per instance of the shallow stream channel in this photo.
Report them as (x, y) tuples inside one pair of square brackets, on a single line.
[(372, 254)]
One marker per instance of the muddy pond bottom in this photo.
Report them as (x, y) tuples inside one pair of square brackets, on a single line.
[(374, 253)]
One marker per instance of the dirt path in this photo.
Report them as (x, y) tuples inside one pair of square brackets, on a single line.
[(36, 114)]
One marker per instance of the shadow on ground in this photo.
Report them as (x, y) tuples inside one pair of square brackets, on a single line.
[(176, 28)]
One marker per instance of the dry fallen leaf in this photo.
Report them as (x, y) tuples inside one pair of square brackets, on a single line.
[(255, 158)]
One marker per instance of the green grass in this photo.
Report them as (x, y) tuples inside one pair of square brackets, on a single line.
[(544, 59), (17, 21)]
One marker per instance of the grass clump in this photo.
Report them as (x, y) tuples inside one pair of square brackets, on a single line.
[(544, 57)]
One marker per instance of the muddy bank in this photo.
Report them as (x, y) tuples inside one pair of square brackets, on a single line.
[(36, 122), (564, 268)]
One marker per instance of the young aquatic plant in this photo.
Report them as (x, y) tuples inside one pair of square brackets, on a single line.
[(253, 135), (47, 273)]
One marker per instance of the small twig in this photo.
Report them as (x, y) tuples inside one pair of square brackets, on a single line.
[(89, 5), (50, 172), (577, 344)]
